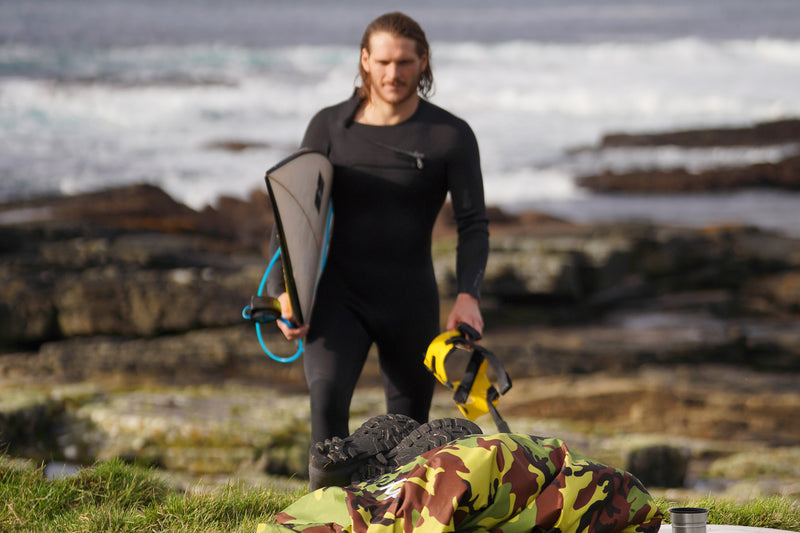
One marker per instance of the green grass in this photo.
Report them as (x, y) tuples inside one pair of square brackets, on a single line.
[(115, 496), (771, 512)]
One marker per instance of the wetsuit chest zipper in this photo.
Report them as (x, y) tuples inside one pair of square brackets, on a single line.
[(413, 154)]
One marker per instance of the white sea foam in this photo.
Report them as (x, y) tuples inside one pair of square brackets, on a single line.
[(674, 157), (76, 120)]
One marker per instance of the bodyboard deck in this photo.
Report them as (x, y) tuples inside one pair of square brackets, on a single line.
[(300, 193)]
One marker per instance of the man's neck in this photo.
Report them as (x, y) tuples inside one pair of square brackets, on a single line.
[(376, 112)]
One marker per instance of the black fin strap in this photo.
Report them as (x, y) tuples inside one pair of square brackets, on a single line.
[(502, 426), (464, 388), (491, 396), (469, 332), (503, 379)]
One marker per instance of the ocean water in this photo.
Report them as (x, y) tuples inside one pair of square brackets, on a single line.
[(98, 93)]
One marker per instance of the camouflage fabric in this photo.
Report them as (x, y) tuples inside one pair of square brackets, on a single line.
[(500, 483)]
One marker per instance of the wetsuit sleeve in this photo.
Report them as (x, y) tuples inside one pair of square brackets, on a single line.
[(316, 138), (465, 183)]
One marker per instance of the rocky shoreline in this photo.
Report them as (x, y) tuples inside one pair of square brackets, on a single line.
[(121, 335), (783, 174)]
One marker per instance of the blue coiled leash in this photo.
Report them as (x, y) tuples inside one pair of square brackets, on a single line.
[(264, 310)]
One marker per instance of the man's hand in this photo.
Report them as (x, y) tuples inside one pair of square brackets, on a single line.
[(465, 310), (290, 333)]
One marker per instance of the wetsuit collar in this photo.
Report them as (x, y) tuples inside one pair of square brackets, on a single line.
[(350, 108)]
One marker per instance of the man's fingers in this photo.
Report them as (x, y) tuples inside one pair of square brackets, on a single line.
[(291, 333)]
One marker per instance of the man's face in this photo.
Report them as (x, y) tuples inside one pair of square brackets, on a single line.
[(393, 66)]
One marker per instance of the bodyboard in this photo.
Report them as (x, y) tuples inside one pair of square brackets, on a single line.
[(300, 193)]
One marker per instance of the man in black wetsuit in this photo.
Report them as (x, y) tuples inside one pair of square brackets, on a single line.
[(395, 158)]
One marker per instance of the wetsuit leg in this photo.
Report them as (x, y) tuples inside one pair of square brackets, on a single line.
[(408, 384), (401, 345), (336, 349)]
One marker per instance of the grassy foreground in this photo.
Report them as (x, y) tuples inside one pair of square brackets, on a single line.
[(115, 496)]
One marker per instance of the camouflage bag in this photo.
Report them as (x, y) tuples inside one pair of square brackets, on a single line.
[(500, 483)]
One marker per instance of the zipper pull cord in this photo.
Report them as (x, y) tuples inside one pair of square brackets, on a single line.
[(417, 156)]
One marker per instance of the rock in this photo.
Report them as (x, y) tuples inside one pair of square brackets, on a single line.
[(199, 430), (126, 262), (596, 324), (28, 423), (659, 466), (236, 145), (780, 462), (602, 266), (712, 401), (202, 356), (692, 413), (135, 208), (144, 303), (28, 314), (782, 175), (81, 291), (774, 294), (124, 297), (767, 133), (250, 220)]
